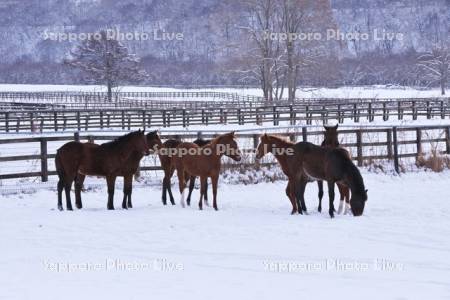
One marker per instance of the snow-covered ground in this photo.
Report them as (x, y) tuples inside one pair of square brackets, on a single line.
[(374, 92), (250, 249)]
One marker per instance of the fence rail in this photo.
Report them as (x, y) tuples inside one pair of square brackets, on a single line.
[(357, 142), (42, 120)]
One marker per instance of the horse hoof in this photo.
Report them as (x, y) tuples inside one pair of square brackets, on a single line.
[(216, 208), (60, 207), (129, 205), (79, 206), (331, 215), (319, 209), (110, 208), (69, 208)]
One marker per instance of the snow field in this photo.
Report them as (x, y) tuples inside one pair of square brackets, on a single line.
[(250, 249)]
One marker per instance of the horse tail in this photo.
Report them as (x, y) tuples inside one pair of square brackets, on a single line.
[(59, 165)]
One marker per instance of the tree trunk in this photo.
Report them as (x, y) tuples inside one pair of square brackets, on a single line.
[(109, 91), (290, 72), (443, 87)]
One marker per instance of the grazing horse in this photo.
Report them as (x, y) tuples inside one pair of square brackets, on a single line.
[(165, 158), (121, 157), (331, 141), (303, 162), (204, 162)]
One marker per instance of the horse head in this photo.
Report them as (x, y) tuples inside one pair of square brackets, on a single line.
[(357, 203), (153, 140), (139, 142), (331, 136), (231, 147)]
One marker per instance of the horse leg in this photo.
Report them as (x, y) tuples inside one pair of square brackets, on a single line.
[(111, 181), (67, 188), (320, 185), (60, 190), (127, 182), (300, 195), (291, 188), (342, 195), (181, 185), (205, 196), (347, 200), (202, 191), (169, 186), (191, 188), (164, 190), (79, 180), (214, 180), (331, 196)]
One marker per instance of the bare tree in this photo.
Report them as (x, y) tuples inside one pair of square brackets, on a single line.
[(261, 20), (308, 17), (436, 66), (105, 60)]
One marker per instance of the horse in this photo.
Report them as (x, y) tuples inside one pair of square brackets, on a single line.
[(165, 158), (204, 162), (331, 141), (200, 142), (120, 157), (303, 162)]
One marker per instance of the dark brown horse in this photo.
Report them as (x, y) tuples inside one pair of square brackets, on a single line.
[(165, 158), (120, 157), (204, 162), (331, 141), (303, 162)]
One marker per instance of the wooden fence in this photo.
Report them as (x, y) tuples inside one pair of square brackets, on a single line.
[(42, 120), (390, 139)]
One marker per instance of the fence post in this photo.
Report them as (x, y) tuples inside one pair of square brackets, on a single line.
[(419, 141), (389, 143), (255, 141), (396, 163), (55, 120), (304, 134), (101, 119), (447, 138), (76, 136), (7, 121), (44, 164), (359, 147), (291, 115), (123, 120), (78, 121), (184, 117)]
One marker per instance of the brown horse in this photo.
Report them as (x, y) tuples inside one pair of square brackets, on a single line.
[(165, 158), (120, 157), (303, 162), (204, 162), (331, 141)]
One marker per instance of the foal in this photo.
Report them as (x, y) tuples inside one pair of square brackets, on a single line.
[(204, 162), (311, 162), (165, 158), (331, 142), (75, 160)]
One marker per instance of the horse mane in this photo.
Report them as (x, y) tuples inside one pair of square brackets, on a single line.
[(121, 140), (215, 140), (201, 142), (280, 139), (357, 184)]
